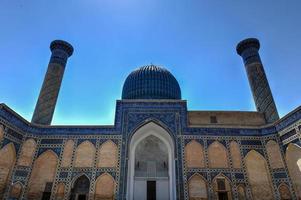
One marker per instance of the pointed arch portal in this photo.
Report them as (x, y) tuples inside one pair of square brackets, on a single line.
[(151, 165), (80, 188)]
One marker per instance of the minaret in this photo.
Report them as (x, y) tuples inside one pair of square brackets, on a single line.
[(45, 106), (248, 50)]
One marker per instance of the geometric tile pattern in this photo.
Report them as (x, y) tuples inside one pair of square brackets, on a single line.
[(129, 116)]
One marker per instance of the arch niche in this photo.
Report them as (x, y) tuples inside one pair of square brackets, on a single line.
[(293, 160), (80, 188), (159, 177), (259, 176), (7, 162)]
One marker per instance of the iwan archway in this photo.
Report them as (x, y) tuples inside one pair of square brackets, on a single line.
[(151, 166)]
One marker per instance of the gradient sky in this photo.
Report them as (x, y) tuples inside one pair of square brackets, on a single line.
[(194, 39)]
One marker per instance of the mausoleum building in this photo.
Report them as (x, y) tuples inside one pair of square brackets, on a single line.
[(156, 149)]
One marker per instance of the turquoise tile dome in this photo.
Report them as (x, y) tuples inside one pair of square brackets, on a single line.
[(151, 82)]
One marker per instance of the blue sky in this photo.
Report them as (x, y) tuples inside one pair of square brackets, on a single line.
[(194, 39)]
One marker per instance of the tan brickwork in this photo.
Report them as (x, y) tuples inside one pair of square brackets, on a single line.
[(104, 187), (293, 160), (226, 118), (60, 191), (84, 155), (274, 154), (235, 154), (108, 155), (16, 191), (43, 171), (7, 162), (217, 155), (197, 188), (194, 155), (241, 192), (259, 176), (67, 155), (284, 192), (27, 152)]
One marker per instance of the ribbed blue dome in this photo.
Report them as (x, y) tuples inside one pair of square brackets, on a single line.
[(151, 82)]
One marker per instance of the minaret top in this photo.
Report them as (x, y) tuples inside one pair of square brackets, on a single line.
[(247, 43), (63, 45)]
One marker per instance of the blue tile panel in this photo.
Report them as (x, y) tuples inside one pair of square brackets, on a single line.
[(279, 175), (288, 134), (21, 173), (51, 141), (239, 176), (129, 116)]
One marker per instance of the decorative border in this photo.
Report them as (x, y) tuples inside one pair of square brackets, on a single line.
[(130, 116)]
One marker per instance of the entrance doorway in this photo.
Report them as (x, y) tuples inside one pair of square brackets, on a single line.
[(222, 196), (80, 189), (151, 158), (151, 190), (222, 189), (81, 197), (47, 191), (151, 170)]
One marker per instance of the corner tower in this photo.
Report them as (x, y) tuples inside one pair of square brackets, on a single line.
[(45, 106), (248, 50)]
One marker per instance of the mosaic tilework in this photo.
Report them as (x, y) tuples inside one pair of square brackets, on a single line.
[(130, 116)]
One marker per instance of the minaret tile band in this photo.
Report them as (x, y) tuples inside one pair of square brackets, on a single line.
[(248, 50), (45, 107)]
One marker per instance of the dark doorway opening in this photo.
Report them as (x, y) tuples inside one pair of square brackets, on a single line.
[(151, 190), (46, 195), (222, 196), (47, 191), (81, 197), (80, 189)]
